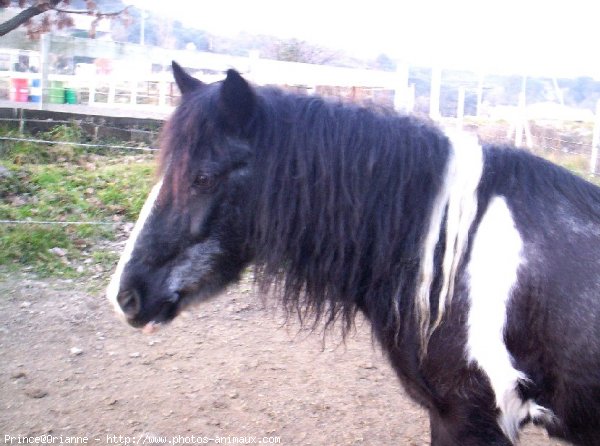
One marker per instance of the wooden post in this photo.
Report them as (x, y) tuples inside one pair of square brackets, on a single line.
[(434, 95), (460, 108), (595, 140), (21, 121)]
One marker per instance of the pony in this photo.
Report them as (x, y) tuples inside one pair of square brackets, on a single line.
[(478, 266)]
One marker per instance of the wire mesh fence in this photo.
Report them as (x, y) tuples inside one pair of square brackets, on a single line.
[(566, 143)]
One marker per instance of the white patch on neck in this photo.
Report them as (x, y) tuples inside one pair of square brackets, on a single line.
[(112, 291), (496, 257), (457, 199)]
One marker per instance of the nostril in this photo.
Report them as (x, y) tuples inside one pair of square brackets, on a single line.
[(130, 302)]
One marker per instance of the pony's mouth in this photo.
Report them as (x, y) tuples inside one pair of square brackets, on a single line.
[(152, 327), (167, 311), (157, 315)]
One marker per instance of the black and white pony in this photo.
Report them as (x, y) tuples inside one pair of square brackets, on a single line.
[(477, 267)]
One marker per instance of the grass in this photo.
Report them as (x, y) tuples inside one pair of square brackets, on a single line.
[(64, 183), (75, 193), (27, 152), (28, 246)]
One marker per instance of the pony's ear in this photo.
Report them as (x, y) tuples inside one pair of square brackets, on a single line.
[(237, 100), (184, 81)]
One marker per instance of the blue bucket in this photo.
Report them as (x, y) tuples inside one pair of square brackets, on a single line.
[(35, 90)]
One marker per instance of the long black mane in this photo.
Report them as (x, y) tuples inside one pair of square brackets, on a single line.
[(342, 196), (342, 200)]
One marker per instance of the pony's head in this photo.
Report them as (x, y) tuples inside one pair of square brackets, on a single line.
[(329, 201), (190, 239)]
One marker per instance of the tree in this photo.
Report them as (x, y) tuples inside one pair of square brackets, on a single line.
[(41, 16), (383, 62), (294, 50)]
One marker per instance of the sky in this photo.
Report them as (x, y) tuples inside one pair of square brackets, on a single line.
[(531, 37)]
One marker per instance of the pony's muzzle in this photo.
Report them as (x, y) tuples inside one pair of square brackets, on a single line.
[(130, 301), (140, 309)]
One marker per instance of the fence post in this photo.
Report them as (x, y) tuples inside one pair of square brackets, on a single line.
[(595, 140), (112, 90), (134, 92), (519, 120), (162, 91), (21, 114), (253, 61), (460, 108), (410, 106), (521, 124), (44, 67), (401, 89), (479, 94), (92, 87), (434, 95)]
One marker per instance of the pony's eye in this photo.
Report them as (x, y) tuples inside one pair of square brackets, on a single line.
[(204, 182)]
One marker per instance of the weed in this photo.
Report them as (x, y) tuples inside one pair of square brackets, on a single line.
[(106, 259), (14, 180), (65, 132)]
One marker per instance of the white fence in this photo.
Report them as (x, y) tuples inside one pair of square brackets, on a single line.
[(118, 79), (136, 77)]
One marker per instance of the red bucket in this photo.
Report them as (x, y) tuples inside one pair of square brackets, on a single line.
[(19, 91)]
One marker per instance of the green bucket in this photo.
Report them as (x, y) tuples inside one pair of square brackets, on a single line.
[(71, 96), (57, 92)]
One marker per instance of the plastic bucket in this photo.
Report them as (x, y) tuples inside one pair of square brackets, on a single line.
[(70, 96), (57, 92), (19, 91), (35, 90)]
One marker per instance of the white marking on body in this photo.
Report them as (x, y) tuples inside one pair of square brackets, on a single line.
[(112, 290), (496, 257), (457, 199)]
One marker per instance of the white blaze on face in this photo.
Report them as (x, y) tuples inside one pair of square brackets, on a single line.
[(114, 286)]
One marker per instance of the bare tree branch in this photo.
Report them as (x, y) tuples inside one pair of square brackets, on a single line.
[(40, 7), (98, 14), (26, 15)]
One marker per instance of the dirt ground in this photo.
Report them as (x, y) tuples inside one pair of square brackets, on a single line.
[(227, 369)]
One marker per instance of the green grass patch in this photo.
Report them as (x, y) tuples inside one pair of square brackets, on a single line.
[(32, 246), (62, 183), (105, 259), (29, 152), (69, 192), (123, 188)]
